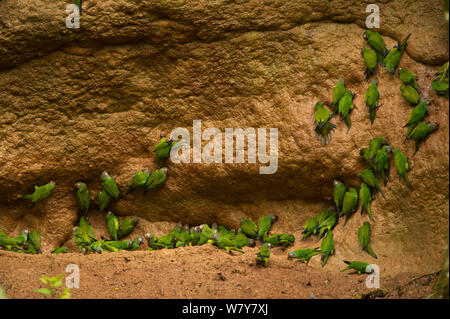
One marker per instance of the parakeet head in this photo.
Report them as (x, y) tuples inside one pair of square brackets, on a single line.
[(104, 176), (214, 226), (83, 250), (146, 171), (135, 219), (251, 242), (341, 81), (434, 126), (388, 148), (366, 35), (25, 232), (79, 185), (336, 182), (139, 240), (216, 236), (148, 236), (269, 245), (318, 105), (163, 170), (425, 102), (375, 81), (98, 249), (52, 183), (273, 218), (109, 213), (74, 229), (291, 255)]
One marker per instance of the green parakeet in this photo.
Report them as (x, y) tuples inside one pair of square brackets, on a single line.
[(339, 191), (323, 125), (83, 197), (242, 240), (264, 225), (345, 107), (392, 60), (371, 61), (371, 98), (84, 235), (401, 164), (126, 226), (382, 162), (208, 232), (410, 94), (365, 199), (249, 228), (375, 40), (96, 246), (226, 243), (310, 227), (157, 179), (327, 247), (416, 116), (20, 240), (135, 243), (364, 238), (368, 177), (441, 86), (359, 266), (324, 214), (113, 225), (138, 180), (116, 245), (110, 186), (162, 149), (34, 242), (263, 255), (40, 192), (350, 203), (421, 132), (283, 240), (59, 250), (304, 255), (338, 92), (374, 145), (103, 200), (443, 71), (407, 77), (328, 224), (364, 152)]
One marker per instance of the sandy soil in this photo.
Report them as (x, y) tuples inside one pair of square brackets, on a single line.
[(197, 272)]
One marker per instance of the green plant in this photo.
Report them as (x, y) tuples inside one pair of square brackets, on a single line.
[(2, 293), (53, 283)]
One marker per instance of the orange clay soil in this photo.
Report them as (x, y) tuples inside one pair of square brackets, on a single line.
[(198, 272)]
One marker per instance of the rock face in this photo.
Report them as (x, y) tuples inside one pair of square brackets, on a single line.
[(75, 102)]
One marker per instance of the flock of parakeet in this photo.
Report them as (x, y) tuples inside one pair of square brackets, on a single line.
[(378, 54), (377, 155), (84, 236)]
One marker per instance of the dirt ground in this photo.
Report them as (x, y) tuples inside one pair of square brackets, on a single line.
[(198, 272)]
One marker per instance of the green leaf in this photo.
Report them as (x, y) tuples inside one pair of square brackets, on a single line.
[(65, 294), (45, 291)]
